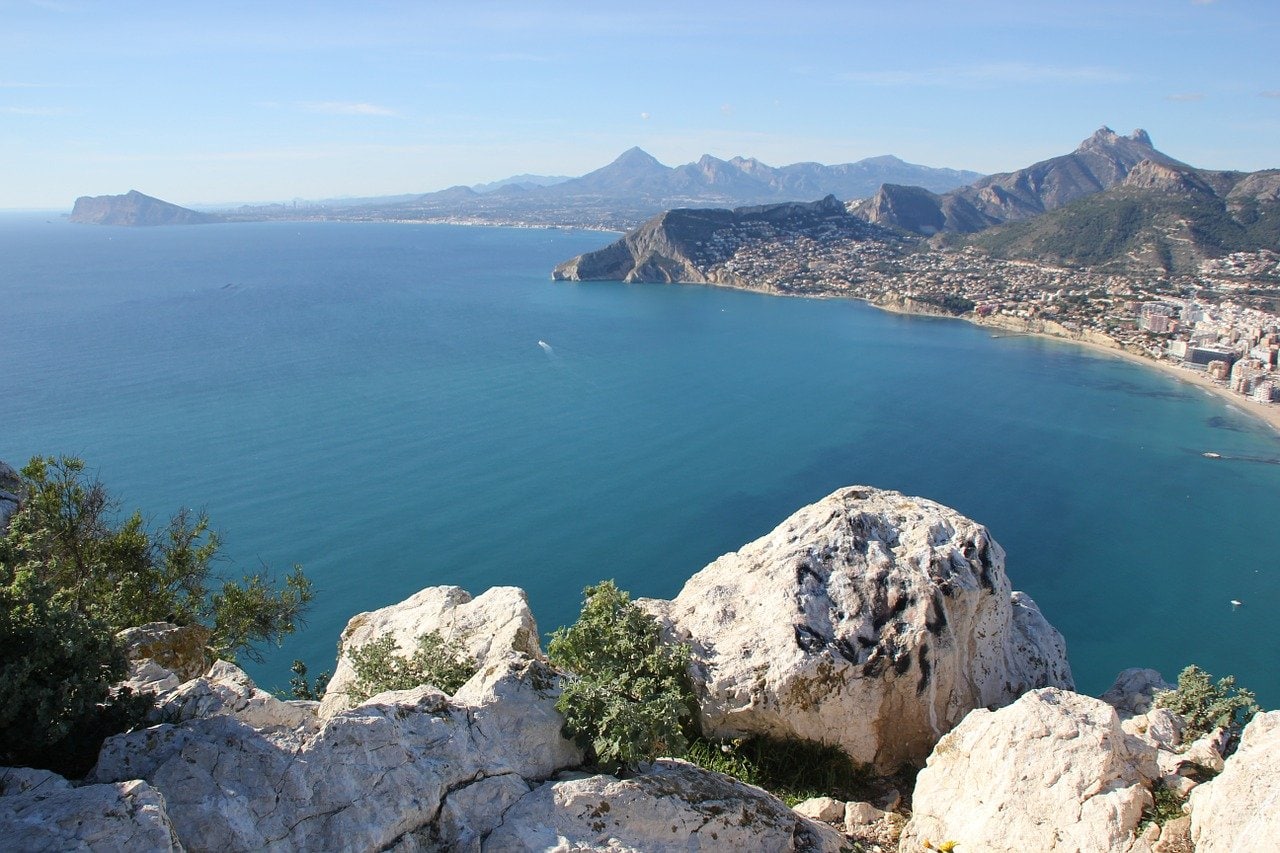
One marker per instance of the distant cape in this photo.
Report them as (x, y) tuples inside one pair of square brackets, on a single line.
[(135, 208)]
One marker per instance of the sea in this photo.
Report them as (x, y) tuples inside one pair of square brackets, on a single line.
[(394, 406)]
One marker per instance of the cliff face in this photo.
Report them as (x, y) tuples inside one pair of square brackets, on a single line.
[(682, 244), (134, 208)]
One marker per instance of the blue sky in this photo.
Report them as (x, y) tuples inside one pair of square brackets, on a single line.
[(231, 101)]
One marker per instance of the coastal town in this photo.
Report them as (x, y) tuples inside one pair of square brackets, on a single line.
[(1219, 327)]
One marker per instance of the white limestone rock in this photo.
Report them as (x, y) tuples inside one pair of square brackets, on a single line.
[(236, 777), (228, 690), (869, 620), (860, 814), (672, 806), (48, 815), (181, 649), (1054, 771), (1239, 811), (490, 627), (825, 809)]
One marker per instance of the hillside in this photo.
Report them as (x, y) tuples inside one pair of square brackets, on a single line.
[(1100, 162), (135, 209), (1162, 218), (691, 245)]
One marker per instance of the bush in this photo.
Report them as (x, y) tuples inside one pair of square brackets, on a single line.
[(793, 770), (443, 664), (627, 698), (1205, 706)]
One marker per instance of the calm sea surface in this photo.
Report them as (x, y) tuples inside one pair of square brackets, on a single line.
[(374, 402)]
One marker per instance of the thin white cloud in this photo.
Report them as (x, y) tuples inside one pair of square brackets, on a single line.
[(346, 108), (1185, 97), (1270, 93), (33, 111), (989, 73)]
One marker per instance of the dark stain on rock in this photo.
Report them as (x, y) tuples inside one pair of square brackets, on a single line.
[(925, 669)]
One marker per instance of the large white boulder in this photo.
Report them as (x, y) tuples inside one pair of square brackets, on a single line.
[(41, 811), (869, 620), (1054, 771), (1239, 811), (490, 627), (672, 806)]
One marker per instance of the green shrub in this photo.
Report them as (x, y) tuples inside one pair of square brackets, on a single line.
[(627, 698), (443, 664), (300, 687), (1205, 706)]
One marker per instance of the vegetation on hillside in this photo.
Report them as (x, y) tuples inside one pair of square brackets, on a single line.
[(1205, 705), (444, 664), (72, 575)]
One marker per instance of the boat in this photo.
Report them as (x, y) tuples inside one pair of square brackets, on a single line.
[(1209, 454)]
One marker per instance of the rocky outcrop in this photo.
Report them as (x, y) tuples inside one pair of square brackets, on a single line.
[(1134, 691), (1239, 811), (868, 620), (40, 810), (10, 487), (181, 650), (682, 245), (135, 208), (491, 628), (250, 772), (673, 805), (1054, 771)]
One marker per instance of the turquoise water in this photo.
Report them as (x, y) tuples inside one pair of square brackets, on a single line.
[(371, 401)]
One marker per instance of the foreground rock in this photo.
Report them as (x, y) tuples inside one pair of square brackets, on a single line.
[(162, 655), (672, 806), (491, 627), (868, 620), (1054, 771), (249, 772), (40, 810), (1240, 810)]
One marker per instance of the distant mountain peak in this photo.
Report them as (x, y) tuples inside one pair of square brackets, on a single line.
[(636, 156), (1105, 138), (135, 208)]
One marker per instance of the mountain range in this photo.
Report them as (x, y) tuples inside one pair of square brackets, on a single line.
[(634, 187)]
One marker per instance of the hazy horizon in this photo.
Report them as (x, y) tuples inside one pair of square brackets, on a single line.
[(241, 103)]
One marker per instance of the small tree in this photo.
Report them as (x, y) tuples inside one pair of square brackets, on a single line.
[(628, 697), (70, 578), (1205, 706)]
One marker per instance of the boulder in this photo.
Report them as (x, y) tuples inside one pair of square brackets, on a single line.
[(825, 809), (42, 811), (409, 770), (1239, 810), (1054, 771), (1134, 691), (672, 806), (868, 620), (490, 627), (183, 650)]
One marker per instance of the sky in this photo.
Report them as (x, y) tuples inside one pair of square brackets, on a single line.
[(219, 103)]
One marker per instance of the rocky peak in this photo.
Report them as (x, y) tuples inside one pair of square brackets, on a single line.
[(636, 157), (1153, 174)]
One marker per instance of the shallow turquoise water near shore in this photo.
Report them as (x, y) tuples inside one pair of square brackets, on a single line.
[(371, 400)]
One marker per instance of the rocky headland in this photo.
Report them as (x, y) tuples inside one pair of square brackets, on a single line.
[(135, 209), (881, 623)]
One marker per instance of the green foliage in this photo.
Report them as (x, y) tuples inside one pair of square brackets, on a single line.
[(1205, 706), (71, 577), (124, 575), (1166, 806), (793, 770), (440, 663), (300, 687), (56, 668), (627, 698)]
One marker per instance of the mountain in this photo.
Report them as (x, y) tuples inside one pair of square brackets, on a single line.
[(635, 186), (1102, 161), (1164, 217), (134, 208), (685, 243)]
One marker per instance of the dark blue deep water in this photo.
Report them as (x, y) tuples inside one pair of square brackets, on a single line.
[(371, 401)]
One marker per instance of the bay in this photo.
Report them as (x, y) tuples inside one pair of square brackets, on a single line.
[(372, 401)]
